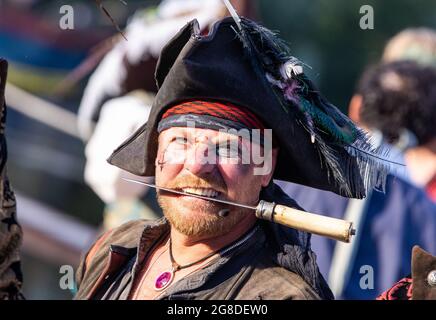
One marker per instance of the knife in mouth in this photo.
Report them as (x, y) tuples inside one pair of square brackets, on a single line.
[(333, 228)]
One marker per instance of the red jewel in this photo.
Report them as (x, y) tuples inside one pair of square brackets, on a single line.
[(163, 280)]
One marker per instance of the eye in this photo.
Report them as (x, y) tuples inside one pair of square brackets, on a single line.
[(175, 151), (180, 140), (177, 144), (228, 150)]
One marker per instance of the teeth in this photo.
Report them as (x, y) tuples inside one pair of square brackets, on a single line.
[(202, 192)]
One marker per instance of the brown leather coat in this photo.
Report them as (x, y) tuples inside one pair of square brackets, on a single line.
[(248, 272)]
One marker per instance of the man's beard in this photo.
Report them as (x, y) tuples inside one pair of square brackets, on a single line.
[(200, 219)]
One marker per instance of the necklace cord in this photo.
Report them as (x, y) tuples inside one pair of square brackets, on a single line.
[(177, 266)]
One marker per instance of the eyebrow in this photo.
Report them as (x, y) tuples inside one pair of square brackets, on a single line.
[(218, 140)]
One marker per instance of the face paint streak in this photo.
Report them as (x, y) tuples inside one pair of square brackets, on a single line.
[(160, 162)]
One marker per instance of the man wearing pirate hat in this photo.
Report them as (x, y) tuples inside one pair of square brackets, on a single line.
[(238, 78)]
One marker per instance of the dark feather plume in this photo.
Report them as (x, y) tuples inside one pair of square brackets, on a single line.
[(340, 143)]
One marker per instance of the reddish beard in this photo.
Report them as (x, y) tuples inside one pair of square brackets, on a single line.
[(199, 218)]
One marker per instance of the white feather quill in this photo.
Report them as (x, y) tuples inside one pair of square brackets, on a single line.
[(233, 13)]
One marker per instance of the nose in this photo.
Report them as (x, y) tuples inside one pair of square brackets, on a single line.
[(199, 159)]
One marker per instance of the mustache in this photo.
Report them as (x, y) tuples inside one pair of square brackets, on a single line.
[(189, 181)]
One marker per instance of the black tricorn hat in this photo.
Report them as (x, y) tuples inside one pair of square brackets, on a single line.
[(319, 146)]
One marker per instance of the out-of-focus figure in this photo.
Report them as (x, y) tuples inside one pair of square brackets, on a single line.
[(388, 225), (11, 278), (398, 99), (419, 45), (130, 64), (123, 200)]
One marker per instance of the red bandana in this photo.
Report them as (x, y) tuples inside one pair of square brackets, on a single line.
[(220, 110)]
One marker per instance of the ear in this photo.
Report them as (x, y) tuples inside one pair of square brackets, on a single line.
[(354, 108), (265, 179)]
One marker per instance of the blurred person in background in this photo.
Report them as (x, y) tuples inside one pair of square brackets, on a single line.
[(11, 278), (119, 95), (416, 44), (390, 224), (419, 45), (398, 100)]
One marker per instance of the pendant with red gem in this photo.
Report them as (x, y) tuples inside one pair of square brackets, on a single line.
[(164, 280)]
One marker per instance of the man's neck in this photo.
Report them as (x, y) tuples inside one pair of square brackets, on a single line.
[(187, 249)]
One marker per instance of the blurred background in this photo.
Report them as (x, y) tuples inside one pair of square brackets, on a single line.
[(49, 69)]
